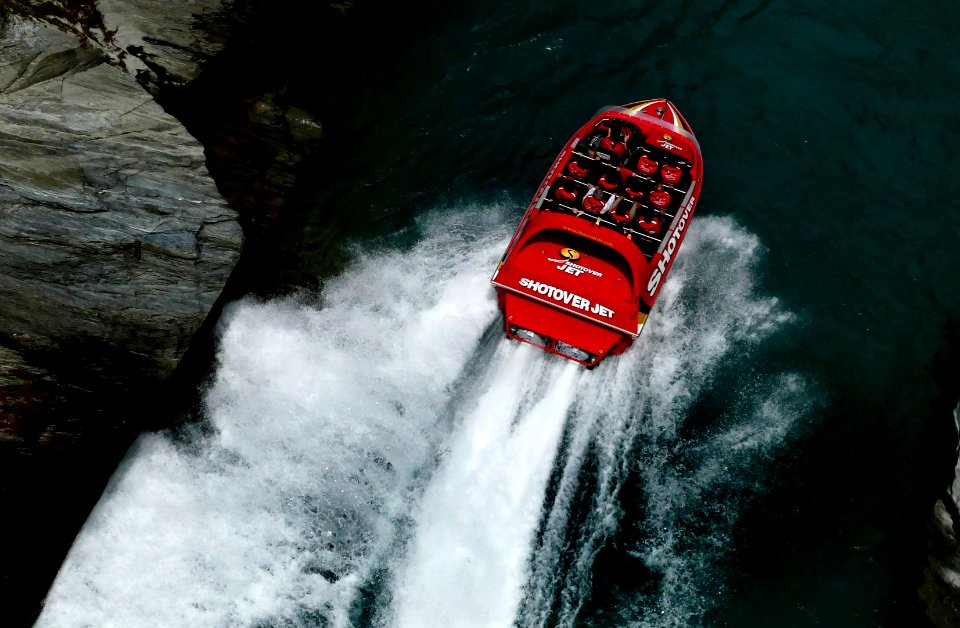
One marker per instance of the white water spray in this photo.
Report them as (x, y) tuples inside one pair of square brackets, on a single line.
[(629, 429), (320, 416), (474, 530), (327, 419)]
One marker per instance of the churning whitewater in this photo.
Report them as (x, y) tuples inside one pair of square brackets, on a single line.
[(381, 455)]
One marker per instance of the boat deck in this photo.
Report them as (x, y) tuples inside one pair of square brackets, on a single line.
[(611, 189)]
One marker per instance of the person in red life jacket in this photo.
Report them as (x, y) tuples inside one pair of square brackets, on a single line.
[(592, 140), (577, 170), (660, 197), (633, 191), (592, 201), (624, 211), (671, 175), (651, 226), (616, 147), (608, 181), (646, 165), (566, 192)]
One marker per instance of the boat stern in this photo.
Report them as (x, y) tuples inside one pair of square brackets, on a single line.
[(556, 331)]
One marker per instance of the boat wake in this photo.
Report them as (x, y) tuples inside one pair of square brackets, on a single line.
[(639, 430), (383, 456)]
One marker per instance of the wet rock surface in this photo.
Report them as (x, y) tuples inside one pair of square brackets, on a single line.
[(115, 246), (115, 240)]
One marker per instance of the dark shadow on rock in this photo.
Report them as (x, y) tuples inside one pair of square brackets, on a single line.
[(939, 591)]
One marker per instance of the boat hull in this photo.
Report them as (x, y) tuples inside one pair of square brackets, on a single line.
[(590, 255)]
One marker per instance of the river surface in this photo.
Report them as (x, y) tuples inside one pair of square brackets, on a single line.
[(372, 452)]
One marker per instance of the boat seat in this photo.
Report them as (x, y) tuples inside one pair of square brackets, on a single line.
[(633, 190), (670, 174), (563, 194)]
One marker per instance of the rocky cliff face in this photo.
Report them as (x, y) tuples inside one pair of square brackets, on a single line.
[(115, 244), (114, 241)]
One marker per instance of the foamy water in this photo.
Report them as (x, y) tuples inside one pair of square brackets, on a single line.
[(628, 428), (381, 443), (467, 563)]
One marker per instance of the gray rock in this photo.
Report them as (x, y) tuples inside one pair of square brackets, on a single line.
[(113, 237), (166, 39), (162, 33), (115, 244), (940, 589)]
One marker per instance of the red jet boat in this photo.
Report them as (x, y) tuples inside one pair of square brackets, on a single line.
[(590, 256)]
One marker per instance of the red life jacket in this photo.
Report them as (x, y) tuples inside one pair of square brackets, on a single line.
[(617, 212), (577, 170), (607, 182), (660, 198), (633, 194), (592, 204), (651, 226), (564, 194), (646, 165), (671, 175), (617, 148)]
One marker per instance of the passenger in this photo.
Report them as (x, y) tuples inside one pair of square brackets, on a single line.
[(651, 225), (660, 197), (591, 141), (577, 170), (633, 191), (646, 165), (592, 201), (671, 174), (615, 148), (566, 192), (608, 181), (624, 211)]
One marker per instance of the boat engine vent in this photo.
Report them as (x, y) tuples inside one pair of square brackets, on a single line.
[(530, 336)]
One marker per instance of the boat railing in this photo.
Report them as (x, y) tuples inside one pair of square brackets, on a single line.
[(646, 242), (619, 188)]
